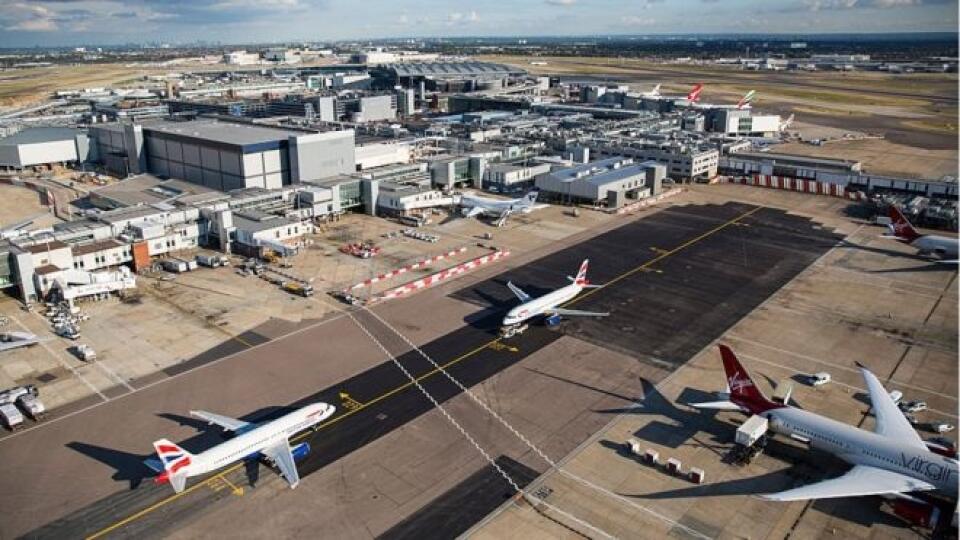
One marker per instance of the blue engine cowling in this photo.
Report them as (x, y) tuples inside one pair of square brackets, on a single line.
[(552, 320), (300, 451)]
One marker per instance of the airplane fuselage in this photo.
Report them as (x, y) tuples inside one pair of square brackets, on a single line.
[(493, 205), (541, 305), (942, 246), (860, 447), (248, 445)]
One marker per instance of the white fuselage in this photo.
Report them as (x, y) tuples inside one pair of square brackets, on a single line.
[(542, 305), (248, 444), (493, 205), (861, 447), (943, 246)]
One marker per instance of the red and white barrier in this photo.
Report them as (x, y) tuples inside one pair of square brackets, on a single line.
[(799, 184), (405, 269), (649, 201), (443, 275)]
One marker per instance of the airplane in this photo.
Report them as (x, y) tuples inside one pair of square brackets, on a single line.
[(694, 95), (944, 248), (15, 340), (746, 99), (269, 441), (473, 205), (547, 304), (654, 92), (890, 461)]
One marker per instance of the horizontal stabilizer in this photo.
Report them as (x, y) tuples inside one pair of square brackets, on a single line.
[(717, 405), (859, 481), (577, 313)]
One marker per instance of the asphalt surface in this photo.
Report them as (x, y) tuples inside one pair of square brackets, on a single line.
[(677, 279)]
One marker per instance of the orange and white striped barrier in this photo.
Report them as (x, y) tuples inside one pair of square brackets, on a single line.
[(443, 275), (801, 185), (396, 272)]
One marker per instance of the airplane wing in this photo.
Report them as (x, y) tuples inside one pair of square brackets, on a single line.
[(576, 313), (890, 421), (475, 211), (281, 456), (524, 297), (227, 423), (859, 481)]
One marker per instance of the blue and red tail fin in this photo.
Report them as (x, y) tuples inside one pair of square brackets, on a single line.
[(581, 278), (172, 457), (743, 391)]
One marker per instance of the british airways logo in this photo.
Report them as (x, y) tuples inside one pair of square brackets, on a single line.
[(738, 382)]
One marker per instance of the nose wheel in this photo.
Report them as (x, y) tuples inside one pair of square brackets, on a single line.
[(509, 331)]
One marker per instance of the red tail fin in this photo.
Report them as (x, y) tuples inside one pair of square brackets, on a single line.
[(694, 94), (582, 273), (901, 227), (743, 391)]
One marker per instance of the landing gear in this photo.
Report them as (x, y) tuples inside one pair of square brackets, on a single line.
[(509, 331)]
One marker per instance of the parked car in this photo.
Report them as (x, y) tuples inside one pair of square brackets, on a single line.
[(912, 419), (896, 396), (943, 427), (819, 379), (913, 406)]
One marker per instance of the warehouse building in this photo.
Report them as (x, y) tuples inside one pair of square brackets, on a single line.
[(685, 162), (741, 122), (509, 178), (225, 155), (609, 181), (43, 146), (466, 76)]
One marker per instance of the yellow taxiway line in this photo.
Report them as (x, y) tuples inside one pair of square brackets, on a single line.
[(349, 412)]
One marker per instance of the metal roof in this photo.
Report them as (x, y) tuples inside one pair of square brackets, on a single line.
[(239, 134), (451, 69), (40, 135)]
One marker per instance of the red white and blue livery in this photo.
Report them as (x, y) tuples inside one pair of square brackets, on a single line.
[(548, 304), (268, 441)]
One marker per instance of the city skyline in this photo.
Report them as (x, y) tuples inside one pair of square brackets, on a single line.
[(79, 22)]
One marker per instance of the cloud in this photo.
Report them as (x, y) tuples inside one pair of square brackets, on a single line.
[(563, 3), (462, 18), (636, 20)]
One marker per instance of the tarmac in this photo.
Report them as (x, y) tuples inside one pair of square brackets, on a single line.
[(388, 453), (866, 299)]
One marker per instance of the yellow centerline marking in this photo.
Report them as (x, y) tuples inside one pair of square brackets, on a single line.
[(408, 384), (236, 490)]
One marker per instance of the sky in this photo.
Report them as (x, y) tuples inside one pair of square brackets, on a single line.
[(75, 22)]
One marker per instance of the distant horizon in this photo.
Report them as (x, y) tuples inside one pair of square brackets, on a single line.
[(60, 23), (926, 35)]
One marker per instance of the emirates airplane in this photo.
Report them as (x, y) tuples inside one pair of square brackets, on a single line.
[(269, 441), (892, 460), (548, 304)]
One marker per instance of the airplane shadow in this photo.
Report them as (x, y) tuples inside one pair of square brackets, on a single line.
[(881, 251), (930, 267), (131, 468), (128, 467)]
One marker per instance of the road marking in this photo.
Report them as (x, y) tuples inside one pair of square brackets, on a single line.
[(500, 346), (408, 384), (238, 491), (59, 360), (665, 254), (349, 402), (834, 365)]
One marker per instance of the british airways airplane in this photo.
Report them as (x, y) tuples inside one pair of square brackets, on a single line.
[(890, 460), (548, 304), (269, 441)]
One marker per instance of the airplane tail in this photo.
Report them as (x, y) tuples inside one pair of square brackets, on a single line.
[(581, 278), (694, 94), (746, 99), (743, 391), (656, 90), (174, 460), (900, 227), (530, 198)]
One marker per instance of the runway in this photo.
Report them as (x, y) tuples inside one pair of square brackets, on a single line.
[(675, 281)]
